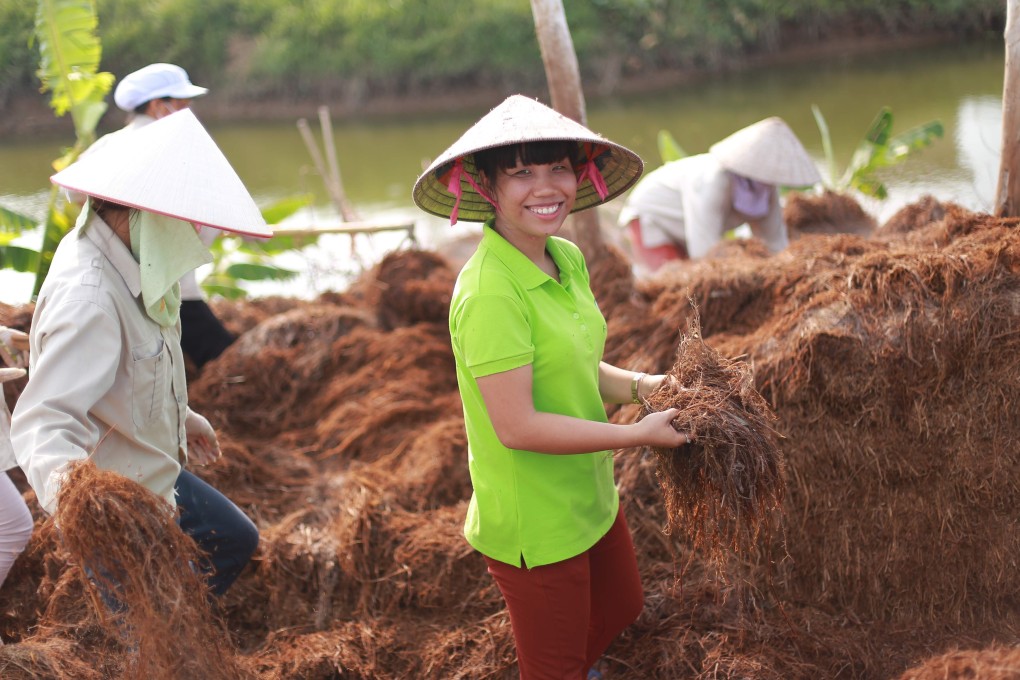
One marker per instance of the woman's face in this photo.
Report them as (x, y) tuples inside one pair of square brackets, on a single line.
[(534, 200), (159, 108)]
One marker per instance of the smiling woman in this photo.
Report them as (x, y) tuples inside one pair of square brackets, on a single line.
[(527, 339)]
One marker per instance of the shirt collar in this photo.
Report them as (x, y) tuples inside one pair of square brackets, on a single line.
[(99, 232), (526, 271)]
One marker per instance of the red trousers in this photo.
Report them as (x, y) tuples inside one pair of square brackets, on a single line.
[(656, 256), (564, 615)]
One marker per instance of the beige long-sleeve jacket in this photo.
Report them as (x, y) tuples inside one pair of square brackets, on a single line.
[(104, 379)]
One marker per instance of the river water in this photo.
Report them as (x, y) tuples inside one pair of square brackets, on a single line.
[(959, 85)]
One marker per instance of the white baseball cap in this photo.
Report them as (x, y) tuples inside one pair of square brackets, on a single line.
[(171, 167), (154, 82)]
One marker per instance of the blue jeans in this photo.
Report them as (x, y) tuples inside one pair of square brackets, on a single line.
[(223, 533)]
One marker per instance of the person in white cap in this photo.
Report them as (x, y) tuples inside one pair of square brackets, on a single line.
[(527, 339), (147, 95), (683, 208), (15, 519), (106, 371)]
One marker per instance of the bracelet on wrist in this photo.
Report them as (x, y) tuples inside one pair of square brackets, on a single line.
[(635, 384)]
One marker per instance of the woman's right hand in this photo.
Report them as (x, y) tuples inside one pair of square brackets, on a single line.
[(13, 347), (656, 429)]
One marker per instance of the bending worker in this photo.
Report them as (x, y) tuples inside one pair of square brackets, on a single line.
[(148, 94), (107, 379), (683, 208)]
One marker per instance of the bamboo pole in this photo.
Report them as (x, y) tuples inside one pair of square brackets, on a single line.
[(326, 123), (564, 79), (335, 191), (1007, 195)]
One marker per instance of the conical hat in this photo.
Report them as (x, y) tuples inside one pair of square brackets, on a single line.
[(171, 167), (769, 152), (521, 119)]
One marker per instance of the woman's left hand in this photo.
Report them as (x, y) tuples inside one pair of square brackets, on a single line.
[(203, 446)]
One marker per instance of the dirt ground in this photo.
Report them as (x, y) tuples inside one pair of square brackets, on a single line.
[(888, 356)]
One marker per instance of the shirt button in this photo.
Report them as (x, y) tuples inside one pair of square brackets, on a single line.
[(583, 327), (576, 315)]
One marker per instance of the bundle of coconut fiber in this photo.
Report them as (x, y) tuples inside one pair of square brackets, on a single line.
[(721, 489), (993, 663), (827, 213), (145, 588)]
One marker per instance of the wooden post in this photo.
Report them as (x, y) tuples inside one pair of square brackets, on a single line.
[(329, 179), (1007, 195), (326, 123), (564, 78)]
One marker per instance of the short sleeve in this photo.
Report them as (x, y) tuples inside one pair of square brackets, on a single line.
[(493, 335)]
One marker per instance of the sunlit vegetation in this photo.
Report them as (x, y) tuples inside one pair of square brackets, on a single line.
[(362, 48)]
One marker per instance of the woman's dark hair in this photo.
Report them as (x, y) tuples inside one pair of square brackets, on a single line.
[(489, 161)]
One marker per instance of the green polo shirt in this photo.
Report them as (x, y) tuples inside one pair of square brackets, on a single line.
[(507, 313)]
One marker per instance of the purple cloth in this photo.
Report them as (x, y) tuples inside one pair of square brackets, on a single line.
[(751, 197)]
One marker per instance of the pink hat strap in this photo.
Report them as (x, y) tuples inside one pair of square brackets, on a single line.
[(453, 186), (591, 170)]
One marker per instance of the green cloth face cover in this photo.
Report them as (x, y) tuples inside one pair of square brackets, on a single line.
[(166, 249)]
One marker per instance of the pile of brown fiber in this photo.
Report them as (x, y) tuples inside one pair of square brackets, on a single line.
[(888, 361)]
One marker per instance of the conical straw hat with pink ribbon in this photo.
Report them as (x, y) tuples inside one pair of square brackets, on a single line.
[(450, 187)]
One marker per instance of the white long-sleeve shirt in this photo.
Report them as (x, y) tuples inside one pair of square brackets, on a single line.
[(690, 201), (104, 379)]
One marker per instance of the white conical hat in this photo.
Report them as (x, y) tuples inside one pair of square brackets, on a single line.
[(769, 152), (521, 119), (172, 167)]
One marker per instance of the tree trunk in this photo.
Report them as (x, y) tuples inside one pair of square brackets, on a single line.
[(564, 78), (1007, 198)]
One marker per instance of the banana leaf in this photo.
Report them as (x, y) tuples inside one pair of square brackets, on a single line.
[(669, 150), (69, 56), (227, 290), (284, 208), (823, 129), (881, 149), (252, 271), (12, 222), (59, 220), (18, 258)]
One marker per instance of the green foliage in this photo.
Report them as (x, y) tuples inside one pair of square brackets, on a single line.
[(238, 260), (197, 34), (69, 54), (18, 258), (12, 223), (669, 150), (358, 47), (877, 150), (17, 58)]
